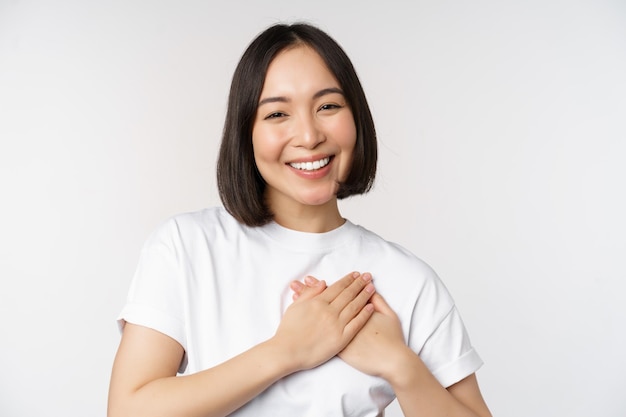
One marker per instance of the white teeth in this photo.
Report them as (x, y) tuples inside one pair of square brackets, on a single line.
[(310, 166)]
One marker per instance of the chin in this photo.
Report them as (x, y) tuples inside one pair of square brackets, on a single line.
[(318, 199)]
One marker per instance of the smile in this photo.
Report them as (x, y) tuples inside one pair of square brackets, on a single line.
[(310, 166)]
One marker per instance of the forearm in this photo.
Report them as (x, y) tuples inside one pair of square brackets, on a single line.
[(313, 329), (420, 394), (217, 391)]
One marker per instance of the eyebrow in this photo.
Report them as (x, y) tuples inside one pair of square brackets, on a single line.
[(282, 99)]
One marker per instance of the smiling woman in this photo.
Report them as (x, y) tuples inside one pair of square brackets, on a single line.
[(236, 170), (303, 139), (268, 307)]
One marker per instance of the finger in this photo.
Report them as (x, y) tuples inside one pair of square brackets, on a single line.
[(338, 287), (310, 280), (357, 323), (305, 292), (354, 306), (351, 292), (381, 305), (296, 287)]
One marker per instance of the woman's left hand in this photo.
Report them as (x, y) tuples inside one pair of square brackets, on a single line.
[(379, 345), (379, 349)]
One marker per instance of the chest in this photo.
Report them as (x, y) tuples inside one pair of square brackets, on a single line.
[(236, 301)]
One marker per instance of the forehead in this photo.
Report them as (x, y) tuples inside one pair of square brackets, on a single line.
[(297, 69)]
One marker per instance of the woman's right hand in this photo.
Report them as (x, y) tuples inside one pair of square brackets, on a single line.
[(322, 322), (314, 329)]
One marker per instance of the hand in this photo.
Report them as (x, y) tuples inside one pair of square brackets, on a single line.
[(376, 348), (320, 323)]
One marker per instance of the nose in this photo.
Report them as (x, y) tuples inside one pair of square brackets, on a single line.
[(307, 133)]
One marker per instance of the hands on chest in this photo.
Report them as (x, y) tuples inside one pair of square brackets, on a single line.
[(348, 319)]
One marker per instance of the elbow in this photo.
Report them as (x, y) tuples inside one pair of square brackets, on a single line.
[(115, 409), (122, 406)]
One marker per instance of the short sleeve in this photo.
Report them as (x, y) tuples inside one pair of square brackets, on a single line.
[(155, 296), (439, 336), (448, 352)]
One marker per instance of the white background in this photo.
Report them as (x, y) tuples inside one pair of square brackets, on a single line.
[(502, 129)]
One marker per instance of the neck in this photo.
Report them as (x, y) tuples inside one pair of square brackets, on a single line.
[(313, 219)]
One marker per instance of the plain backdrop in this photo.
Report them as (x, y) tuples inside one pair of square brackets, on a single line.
[(502, 132)]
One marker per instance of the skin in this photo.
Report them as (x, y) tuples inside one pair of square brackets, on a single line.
[(313, 329), (302, 117), (379, 350)]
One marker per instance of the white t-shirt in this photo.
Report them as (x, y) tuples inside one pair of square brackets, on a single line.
[(219, 287)]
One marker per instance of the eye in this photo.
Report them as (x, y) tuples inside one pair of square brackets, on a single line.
[(275, 115), (330, 106)]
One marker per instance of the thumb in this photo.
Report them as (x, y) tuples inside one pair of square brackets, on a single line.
[(380, 305)]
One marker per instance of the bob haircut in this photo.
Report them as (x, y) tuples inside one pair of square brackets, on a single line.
[(239, 182)]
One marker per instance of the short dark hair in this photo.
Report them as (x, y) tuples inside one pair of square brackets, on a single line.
[(240, 184)]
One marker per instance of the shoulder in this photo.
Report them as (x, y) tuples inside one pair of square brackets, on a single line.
[(401, 276), (212, 223), (207, 218), (392, 252)]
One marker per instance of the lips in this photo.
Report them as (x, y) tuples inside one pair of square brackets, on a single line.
[(311, 165)]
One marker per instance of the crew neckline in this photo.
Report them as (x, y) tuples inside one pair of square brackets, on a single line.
[(308, 241)]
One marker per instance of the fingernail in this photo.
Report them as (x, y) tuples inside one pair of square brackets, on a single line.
[(370, 288), (309, 280), (367, 277), (355, 274)]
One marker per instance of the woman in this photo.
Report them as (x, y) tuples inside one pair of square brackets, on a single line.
[(212, 295)]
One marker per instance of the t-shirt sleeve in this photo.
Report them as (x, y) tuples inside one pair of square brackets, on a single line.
[(439, 335), (154, 299), (448, 352)]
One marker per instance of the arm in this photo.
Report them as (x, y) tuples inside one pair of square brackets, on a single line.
[(313, 329), (144, 379), (420, 394), (379, 349)]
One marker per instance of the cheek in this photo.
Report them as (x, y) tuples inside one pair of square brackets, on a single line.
[(347, 143), (346, 135), (262, 144)]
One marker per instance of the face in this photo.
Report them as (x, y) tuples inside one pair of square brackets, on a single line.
[(304, 132)]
